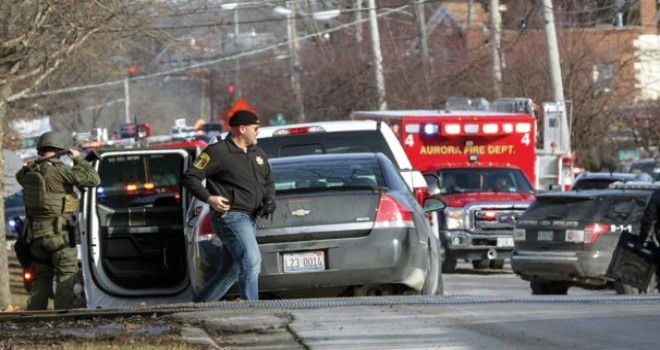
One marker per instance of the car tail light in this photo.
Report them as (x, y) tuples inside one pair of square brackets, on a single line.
[(204, 228), (131, 188), (592, 232), (421, 193), (27, 278), (27, 275), (391, 213)]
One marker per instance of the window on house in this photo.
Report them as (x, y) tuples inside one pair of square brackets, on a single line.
[(603, 76)]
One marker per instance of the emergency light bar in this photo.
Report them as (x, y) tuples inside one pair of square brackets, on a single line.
[(430, 129), (298, 130), (635, 185)]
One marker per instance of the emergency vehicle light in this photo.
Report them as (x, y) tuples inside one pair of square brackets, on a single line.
[(523, 127), (412, 129), (298, 130), (130, 187), (491, 128), (471, 128), (452, 129), (507, 128), (636, 185), (430, 129), (149, 186)]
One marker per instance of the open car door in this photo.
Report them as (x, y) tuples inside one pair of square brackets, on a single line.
[(132, 229)]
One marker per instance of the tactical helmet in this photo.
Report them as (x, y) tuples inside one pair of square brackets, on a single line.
[(51, 139)]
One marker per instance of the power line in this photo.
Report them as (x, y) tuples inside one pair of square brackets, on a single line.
[(202, 64)]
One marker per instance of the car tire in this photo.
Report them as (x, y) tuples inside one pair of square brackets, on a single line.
[(449, 264), (433, 280), (497, 264), (480, 264), (549, 288)]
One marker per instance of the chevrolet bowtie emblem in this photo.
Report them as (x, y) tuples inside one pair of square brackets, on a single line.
[(300, 212)]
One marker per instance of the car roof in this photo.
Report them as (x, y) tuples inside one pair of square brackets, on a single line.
[(603, 175), (592, 194), (329, 126), (327, 157)]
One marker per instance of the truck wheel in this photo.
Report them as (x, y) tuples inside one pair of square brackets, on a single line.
[(548, 288), (497, 264), (449, 264), (480, 264)]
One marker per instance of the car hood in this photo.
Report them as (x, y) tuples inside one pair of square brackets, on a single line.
[(461, 199)]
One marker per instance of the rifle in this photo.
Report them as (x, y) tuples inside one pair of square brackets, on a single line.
[(56, 155)]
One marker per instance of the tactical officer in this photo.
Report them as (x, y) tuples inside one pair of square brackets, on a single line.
[(650, 224), (50, 200), (238, 188)]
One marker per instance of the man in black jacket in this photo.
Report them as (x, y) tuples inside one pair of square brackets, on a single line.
[(239, 187), (651, 219)]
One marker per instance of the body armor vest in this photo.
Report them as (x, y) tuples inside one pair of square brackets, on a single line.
[(44, 193)]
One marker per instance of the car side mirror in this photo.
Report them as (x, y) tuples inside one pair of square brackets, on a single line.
[(433, 204)]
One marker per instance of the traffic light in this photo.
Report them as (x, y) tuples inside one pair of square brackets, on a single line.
[(132, 70)]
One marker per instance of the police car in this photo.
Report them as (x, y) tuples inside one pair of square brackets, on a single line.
[(566, 239)]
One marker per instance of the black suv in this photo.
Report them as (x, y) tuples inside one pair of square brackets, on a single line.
[(601, 181), (567, 239)]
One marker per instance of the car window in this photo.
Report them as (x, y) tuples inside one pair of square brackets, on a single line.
[(140, 180), (483, 180), (643, 166), (619, 209), (553, 208), (335, 175), (15, 200), (592, 184), (321, 143)]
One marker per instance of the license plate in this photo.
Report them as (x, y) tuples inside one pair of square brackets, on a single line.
[(545, 235), (505, 241), (303, 261)]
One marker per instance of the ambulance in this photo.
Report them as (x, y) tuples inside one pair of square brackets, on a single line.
[(481, 164)]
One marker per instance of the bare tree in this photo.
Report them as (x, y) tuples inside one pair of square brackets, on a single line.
[(42, 46)]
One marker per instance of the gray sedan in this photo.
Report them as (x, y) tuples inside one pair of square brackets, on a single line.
[(346, 224)]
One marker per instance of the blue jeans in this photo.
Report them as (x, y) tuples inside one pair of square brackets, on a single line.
[(240, 259)]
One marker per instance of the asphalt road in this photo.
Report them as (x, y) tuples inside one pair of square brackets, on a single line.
[(486, 309)]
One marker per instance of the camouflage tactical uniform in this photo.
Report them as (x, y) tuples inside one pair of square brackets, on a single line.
[(48, 192)]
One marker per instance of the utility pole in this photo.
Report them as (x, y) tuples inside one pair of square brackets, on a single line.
[(237, 61), (423, 46), (555, 72), (378, 58), (496, 43), (358, 21), (295, 65)]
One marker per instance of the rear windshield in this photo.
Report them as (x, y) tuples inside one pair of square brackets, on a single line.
[(320, 143), (335, 174), (604, 209), (140, 180), (559, 208), (593, 184)]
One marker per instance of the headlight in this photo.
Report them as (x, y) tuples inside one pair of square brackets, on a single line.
[(455, 218)]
